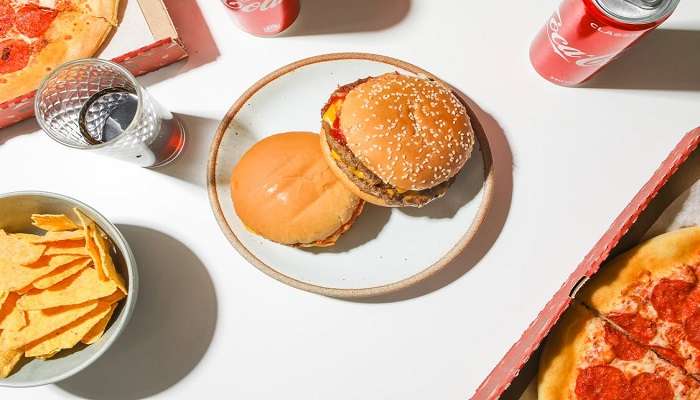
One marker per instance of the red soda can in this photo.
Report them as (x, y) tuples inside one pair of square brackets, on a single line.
[(582, 36), (263, 17)]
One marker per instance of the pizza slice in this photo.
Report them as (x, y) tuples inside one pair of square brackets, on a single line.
[(107, 9), (586, 358), (652, 293), (36, 36)]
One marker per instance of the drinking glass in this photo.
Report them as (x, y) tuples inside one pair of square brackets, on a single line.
[(97, 105)]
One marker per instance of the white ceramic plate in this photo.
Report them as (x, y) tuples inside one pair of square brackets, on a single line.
[(386, 249)]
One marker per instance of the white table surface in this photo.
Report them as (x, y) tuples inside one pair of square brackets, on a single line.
[(208, 325)]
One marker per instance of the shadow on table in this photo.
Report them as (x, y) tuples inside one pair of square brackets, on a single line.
[(21, 128), (194, 32), (191, 164), (170, 331), (367, 227), (493, 222), (666, 59), (319, 17)]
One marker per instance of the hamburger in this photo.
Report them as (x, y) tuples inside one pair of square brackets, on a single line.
[(396, 140), (283, 190)]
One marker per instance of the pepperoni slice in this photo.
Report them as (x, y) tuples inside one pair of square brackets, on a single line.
[(647, 386), (692, 329), (670, 356), (7, 17), (14, 55), (33, 20), (640, 328), (624, 348), (602, 382), (668, 298), (691, 304)]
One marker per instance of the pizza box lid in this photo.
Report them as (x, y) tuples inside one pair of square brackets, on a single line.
[(518, 368), (144, 41)]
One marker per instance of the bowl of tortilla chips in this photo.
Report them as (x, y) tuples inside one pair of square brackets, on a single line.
[(68, 284)]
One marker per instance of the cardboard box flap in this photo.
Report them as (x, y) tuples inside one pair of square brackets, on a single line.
[(158, 19)]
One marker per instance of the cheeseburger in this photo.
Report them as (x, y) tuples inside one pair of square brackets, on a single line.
[(396, 140), (283, 190)]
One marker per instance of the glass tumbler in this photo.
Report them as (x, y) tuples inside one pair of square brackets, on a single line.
[(97, 105)]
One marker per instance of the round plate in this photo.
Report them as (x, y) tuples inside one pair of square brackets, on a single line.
[(386, 249)]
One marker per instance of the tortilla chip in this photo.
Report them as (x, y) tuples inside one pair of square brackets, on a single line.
[(43, 322), (72, 247), (98, 330), (69, 335), (11, 317), (58, 236), (113, 298), (18, 251), (46, 356), (16, 277), (26, 237), (53, 222), (107, 264), (3, 297), (84, 219), (62, 273), (79, 288), (25, 289), (56, 290), (90, 246), (8, 360)]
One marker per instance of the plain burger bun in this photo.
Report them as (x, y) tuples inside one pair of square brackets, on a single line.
[(283, 190)]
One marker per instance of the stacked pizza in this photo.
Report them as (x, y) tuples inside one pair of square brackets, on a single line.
[(38, 35), (634, 331)]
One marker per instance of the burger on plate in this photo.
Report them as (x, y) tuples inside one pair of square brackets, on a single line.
[(283, 189), (396, 140)]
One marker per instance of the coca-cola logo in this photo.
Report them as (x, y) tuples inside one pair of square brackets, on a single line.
[(249, 6), (561, 46)]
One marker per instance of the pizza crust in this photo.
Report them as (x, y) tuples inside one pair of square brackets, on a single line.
[(658, 257), (72, 35), (562, 354), (107, 9)]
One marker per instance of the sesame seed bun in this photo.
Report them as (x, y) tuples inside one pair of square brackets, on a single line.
[(283, 190), (412, 133)]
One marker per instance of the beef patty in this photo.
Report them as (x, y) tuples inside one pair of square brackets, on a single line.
[(370, 183)]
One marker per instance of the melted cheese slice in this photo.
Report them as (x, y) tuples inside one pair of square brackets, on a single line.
[(332, 112)]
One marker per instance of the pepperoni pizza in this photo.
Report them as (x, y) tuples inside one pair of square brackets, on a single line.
[(38, 35), (586, 358), (646, 310)]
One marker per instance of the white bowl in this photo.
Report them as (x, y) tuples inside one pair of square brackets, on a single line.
[(15, 216)]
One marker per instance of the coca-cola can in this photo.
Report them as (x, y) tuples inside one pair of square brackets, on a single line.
[(263, 17), (582, 36)]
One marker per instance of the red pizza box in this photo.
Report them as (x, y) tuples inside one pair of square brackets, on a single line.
[(513, 377), (145, 41)]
